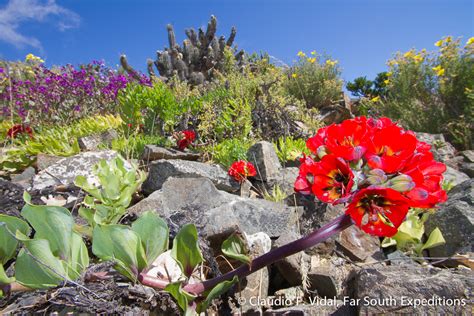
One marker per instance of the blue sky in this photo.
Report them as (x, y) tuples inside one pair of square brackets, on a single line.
[(362, 35)]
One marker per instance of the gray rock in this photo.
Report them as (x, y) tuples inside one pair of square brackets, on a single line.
[(292, 295), (43, 161), (318, 308), (399, 258), (285, 180), (467, 168), (64, 171), (11, 198), (24, 179), (92, 142), (294, 269), (468, 155), (196, 200), (454, 177), (161, 170), (153, 152), (390, 287), (265, 159), (329, 276), (455, 219), (441, 149), (358, 245)]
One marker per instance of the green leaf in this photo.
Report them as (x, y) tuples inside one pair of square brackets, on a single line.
[(4, 278), (153, 232), (235, 247), (87, 214), (8, 226), (36, 266), (182, 297), (186, 249), (79, 257), (122, 245), (435, 239), (53, 223), (219, 289)]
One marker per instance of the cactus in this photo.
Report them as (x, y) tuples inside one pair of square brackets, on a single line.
[(195, 61)]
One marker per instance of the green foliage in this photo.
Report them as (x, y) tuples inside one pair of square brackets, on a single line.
[(218, 290), (290, 149), (186, 250), (315, 80), (229, 151), (132, 147), (55, 254), (153, 232), (54, 140), (235, 247), (409, 237), (117, 184), (430, 91), (276, 194), (362, 87)]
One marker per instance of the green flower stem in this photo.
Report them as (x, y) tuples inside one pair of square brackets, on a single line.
[(335, 226)]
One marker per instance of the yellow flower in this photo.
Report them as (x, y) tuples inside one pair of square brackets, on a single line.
[(439, 70), (313, 52), (389, 74), (331, 62), (418, 58), (294, 75), (376, 99), (29, 57), (408, 54), (392, 62), (439, 43), (387, 81), (448, 39), (301, 54), (312, 60), (470, 41)]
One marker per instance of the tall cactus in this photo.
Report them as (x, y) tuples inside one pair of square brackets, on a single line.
[(196, 60)]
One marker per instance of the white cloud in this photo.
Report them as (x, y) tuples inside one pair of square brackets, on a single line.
[(18, 11)]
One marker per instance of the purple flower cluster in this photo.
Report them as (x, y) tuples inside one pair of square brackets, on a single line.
[(61, 94)]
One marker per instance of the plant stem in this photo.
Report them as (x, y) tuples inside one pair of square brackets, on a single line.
[(335, 226)]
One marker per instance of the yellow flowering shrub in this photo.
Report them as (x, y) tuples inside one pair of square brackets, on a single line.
[(315, 80), (429, 91)]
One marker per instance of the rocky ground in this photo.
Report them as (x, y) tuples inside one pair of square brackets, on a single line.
[(348, 274)]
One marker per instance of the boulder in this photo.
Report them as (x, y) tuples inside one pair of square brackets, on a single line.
[(11, 198), (215, 213), (396, 289), (357, 245), (317, 308), (153, 152), (161, 170), (43, 161), (441, 149), (455, 219), (64, 171), (454, 177), (24, 179), (265, 160), (93, 142), (328, 277), (468, 155)]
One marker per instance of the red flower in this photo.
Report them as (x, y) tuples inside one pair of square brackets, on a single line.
[(378, 211), (186, 138), (347, 140), (19, 129), (331, 178), (314, 143), (389, 148), (241, 169), (427, 174)]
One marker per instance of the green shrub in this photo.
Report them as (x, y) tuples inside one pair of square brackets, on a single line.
[(289, 148), (229, 151), (315, 80), (132, 146), (432, 91)]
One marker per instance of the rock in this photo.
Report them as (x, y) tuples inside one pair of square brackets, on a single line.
[(265, 159), (454, 177), (294, 269), (388, 289), (165, 267), (291, 296), (441, 149), (285, 180), (468, 155), (43, 161), (11, 198), (161, 170), (455, 219), (214, 212), (329, 276), (24, 179), (92, 142), (467, 168), (318, 308), (255, 285), (358, 245), (64, 171), (399, 258), (153, 152), (334, 113)]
